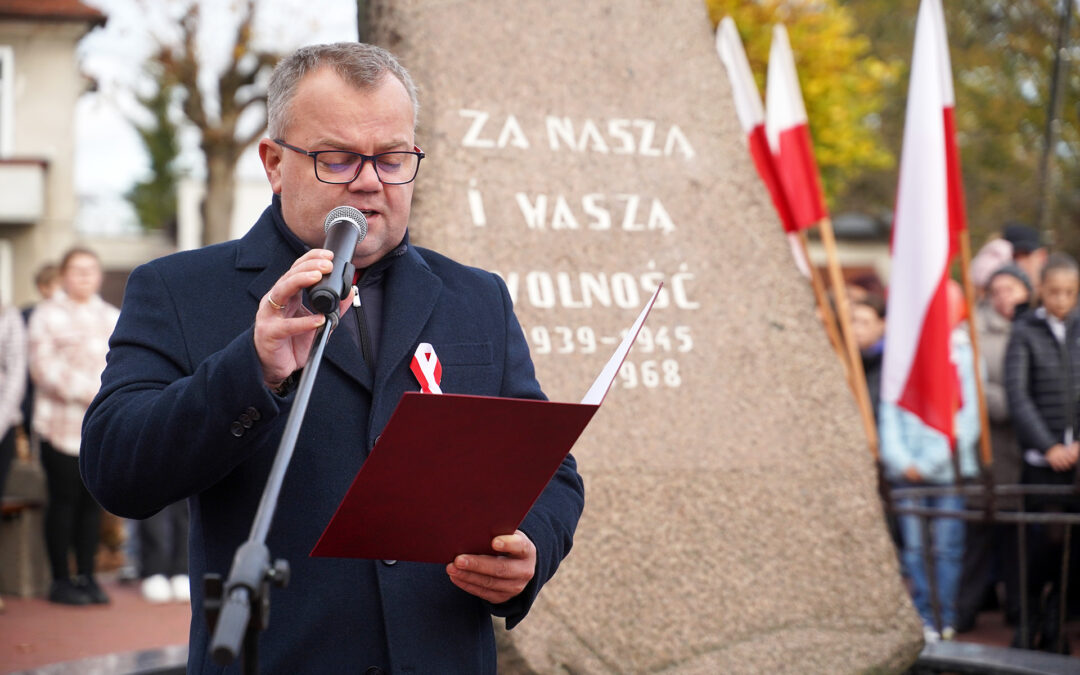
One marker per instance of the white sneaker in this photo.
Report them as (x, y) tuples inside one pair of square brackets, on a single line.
[(930, 636), (181, 588), (157, 589)]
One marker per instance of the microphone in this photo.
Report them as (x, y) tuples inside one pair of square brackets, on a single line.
[(345, 228)]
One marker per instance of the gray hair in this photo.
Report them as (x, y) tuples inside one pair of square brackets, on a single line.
[(362, 65)]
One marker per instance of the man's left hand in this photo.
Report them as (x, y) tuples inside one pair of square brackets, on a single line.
[(496, 578)]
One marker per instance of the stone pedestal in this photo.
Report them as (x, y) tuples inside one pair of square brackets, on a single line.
[(587, 150)]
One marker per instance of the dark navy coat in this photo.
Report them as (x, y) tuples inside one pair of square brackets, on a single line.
[(183, 414)]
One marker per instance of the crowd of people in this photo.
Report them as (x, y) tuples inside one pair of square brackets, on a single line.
[(1026, 321), (52, 355), (1028, 333), (195, 391)]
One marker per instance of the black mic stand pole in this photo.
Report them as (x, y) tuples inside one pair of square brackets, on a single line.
[(240, 608)]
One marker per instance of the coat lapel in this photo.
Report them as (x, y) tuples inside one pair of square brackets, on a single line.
[(263, 250), (343, 353), (409, 298)]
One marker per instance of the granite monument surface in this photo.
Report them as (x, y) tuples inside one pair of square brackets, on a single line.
[(587, 150)]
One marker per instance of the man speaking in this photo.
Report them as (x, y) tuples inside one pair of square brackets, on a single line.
[(206, 354)]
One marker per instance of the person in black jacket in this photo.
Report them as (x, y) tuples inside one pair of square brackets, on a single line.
[(1042, 380), (990, 549)]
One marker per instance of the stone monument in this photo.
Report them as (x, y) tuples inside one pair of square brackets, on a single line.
[(587, 150)]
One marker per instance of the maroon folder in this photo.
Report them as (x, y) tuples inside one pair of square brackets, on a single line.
[(449, 473)]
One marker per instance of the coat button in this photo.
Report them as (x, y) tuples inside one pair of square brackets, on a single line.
[(253, 413), (237, 429), (246, 421), (389, 562), (374, 670)]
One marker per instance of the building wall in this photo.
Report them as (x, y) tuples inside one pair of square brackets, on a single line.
[(252, 196), (860, 255), (46, 84)]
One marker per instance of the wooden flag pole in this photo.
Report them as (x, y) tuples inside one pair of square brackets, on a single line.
[(828, 317), (858, 380), (969, 294)]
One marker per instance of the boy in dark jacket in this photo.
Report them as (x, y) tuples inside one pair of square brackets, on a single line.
[(1042, 379)]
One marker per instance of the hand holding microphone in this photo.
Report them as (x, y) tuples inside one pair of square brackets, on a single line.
[(284, 328)]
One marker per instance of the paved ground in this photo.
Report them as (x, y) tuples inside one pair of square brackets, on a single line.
[(34, 632)]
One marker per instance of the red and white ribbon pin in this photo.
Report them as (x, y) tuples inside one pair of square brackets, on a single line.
[(425, 365)]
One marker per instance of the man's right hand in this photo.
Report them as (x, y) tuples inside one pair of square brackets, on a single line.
[(1062, 457), (284, 328)]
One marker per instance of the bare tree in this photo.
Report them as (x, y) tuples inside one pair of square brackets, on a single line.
[(221, 139)]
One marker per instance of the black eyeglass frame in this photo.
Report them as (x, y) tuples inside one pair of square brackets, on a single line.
[(364, 159)]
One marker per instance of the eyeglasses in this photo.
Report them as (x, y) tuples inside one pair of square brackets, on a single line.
[(341, 166)]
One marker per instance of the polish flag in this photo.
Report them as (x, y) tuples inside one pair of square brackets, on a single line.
[(917, 371), (789, 135), (751, 114)]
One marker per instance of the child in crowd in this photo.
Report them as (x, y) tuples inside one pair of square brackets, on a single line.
[(1042, 378)]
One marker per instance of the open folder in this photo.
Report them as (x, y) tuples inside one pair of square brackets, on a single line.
[(451, 472)]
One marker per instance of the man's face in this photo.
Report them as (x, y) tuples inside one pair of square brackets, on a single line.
[(1006, 292), (866, 326), (1059, 290), (326, 113)]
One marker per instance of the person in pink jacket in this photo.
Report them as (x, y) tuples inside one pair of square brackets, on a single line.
[(69, 338)]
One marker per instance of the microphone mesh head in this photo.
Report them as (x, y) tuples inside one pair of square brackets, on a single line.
[(351, 214)]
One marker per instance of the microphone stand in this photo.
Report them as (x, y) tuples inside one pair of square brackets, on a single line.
[(240, 608)]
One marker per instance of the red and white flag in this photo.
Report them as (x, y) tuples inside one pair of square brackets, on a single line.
[(751, 114), (752, 120), (917, 373), (789, 135)]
